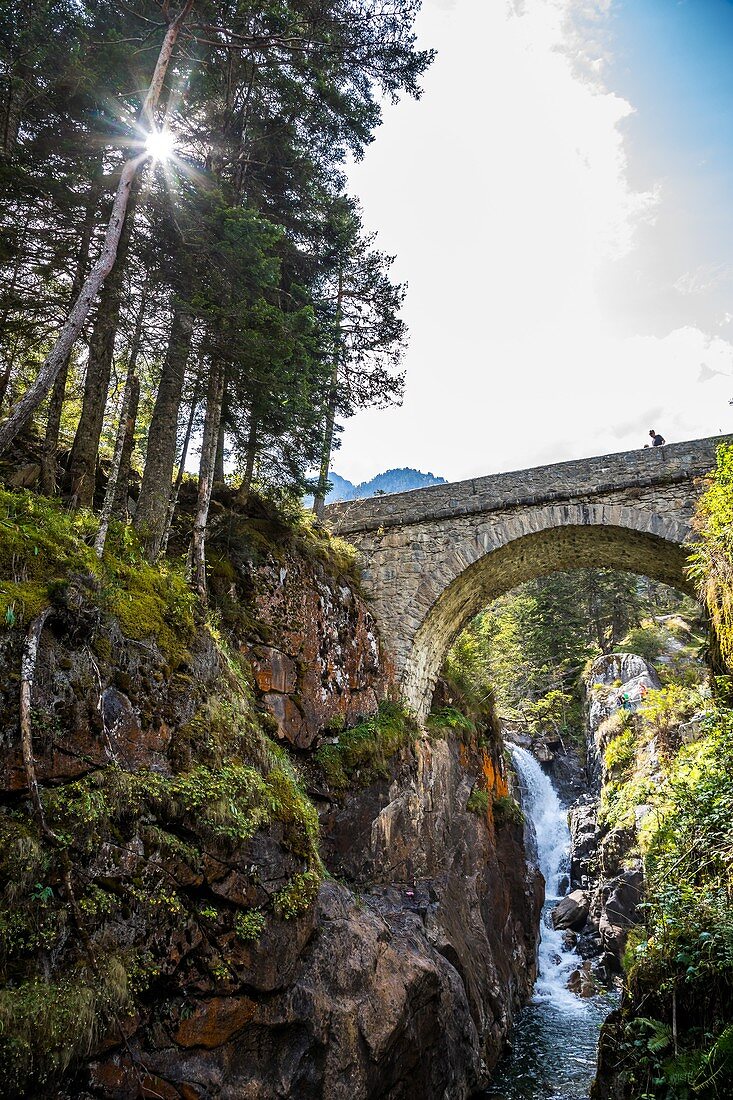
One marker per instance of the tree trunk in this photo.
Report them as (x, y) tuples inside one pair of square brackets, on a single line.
[(242, 495), (131, 384), (56, 401), (34, 395), (171, 510), (27, 676), (319, 497), (99, 370), (206, 470), (219, 460), (5, 381), (109, 496), (162, 437), (122, 492)]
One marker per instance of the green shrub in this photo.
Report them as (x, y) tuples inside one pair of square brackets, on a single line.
[(620, 751), (250, 925), (647, 641), (507, 811), (478, 802), (666, 708), (362, 754)]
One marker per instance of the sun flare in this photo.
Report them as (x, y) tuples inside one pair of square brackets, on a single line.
[(160, 144)]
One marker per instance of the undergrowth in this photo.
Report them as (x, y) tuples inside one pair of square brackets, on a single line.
[(362, 754), (44, 548)]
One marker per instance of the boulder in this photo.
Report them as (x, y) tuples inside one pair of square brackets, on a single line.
[(571, 911), (581, 981)]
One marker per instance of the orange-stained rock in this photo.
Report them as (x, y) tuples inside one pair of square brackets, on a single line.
[(215, 1021), (118, 1079), (323, 661), (273, 670)]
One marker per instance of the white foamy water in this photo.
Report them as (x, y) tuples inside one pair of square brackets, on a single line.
[(542, 806)]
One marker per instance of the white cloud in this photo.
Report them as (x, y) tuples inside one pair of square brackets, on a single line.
[(504, 194), (705, 277)]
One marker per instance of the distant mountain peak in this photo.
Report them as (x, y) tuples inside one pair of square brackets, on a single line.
[(391, 481)]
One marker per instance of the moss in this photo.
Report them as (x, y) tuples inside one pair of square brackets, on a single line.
[(42, 545), (478, 802), (297, 896), (22, 601), (153, 602), (274, 530), (362, 754), (45, 1027), (450, 719), (507, 811)]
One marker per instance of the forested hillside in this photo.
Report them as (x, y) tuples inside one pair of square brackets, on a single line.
[(531, 647), (182, 270)]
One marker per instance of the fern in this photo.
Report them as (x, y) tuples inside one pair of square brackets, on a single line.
[(661, 1035)]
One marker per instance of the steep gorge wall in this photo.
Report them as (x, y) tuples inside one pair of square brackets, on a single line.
[(178, 937)]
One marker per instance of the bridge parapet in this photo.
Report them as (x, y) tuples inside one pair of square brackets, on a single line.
[(645, 467)]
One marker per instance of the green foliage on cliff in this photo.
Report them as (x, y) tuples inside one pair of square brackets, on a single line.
[(711, 561), (45, 548), (681, 962), (674, 1038), (478, 801), (362, 754), (507, 811), (125, 855), (46, 1026), (276, 526), (620, 751)]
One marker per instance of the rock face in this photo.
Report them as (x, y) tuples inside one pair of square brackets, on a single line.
[(603, 862), (463, 875), (407, 983), (215, 961), (614, 680), (311, 639)]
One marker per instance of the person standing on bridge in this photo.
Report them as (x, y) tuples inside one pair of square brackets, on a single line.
[(657, 439)]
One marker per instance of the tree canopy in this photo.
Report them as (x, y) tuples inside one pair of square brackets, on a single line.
[(238, 256)]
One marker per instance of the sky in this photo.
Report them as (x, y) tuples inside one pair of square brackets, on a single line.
[(560, 204)]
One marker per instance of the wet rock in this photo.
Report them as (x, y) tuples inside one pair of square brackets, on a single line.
[(621, 899), (584, 836), (571, 911), (581, 981)]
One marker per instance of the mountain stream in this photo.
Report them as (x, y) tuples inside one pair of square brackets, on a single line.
[(555, 1037)]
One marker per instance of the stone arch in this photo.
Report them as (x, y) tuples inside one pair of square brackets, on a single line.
[(499, 557)]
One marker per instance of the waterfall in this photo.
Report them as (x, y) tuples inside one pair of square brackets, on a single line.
[(544, 811)]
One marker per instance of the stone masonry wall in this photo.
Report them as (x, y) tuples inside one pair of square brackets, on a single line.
[(433, 557), (649, 466)]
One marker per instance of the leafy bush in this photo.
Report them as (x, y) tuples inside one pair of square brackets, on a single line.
[(669, 706), (647, 641), (506, 811), (620, 751)]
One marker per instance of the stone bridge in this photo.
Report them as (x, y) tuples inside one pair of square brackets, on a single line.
[(432, 558)]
